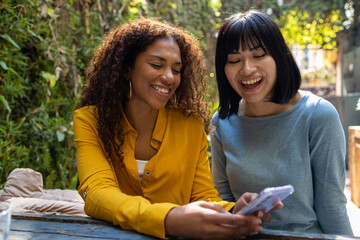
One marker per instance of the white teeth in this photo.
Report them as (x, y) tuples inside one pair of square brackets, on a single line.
[(162, 90), (252, 81)]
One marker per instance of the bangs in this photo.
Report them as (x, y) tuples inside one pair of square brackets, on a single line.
[(245, 32)]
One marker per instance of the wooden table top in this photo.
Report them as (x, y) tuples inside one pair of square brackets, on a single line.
[(35, 226)]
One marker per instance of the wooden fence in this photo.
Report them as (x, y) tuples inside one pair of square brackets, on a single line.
[(354, 163)]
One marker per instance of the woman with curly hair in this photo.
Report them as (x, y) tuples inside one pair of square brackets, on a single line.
[(140, 139)]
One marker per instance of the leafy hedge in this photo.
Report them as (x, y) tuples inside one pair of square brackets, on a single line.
[(39, 87)]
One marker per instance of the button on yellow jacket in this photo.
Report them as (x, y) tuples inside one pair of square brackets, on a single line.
[(178, 174)]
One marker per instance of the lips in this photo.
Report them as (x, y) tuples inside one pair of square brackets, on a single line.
[(161, 89), (252, 83)]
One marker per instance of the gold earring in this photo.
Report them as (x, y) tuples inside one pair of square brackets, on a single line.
[(130, 93)]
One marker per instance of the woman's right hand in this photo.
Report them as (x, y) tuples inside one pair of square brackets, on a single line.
[(204, 220)]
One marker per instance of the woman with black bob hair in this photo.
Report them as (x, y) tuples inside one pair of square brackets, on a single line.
[(140, 138), (261, 31), (269, 133)]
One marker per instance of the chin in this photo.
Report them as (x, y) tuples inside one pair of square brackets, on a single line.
[(157, 107)]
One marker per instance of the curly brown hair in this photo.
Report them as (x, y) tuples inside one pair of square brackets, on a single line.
[(108, 76)]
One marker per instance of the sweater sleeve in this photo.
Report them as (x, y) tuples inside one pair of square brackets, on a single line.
[(218, 160), (327, 153), (100, 191)]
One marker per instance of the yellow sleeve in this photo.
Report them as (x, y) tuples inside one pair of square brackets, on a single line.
[(99, 188), (203, 186)]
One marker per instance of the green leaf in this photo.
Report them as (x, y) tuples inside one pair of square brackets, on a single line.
[(173, 5), (3, 65), (45, 75), (52, 80), (33, 34), (60, 136), (133, 10), (50, 11), (5, 103), (9, 39), (215, 4), (14, 72)]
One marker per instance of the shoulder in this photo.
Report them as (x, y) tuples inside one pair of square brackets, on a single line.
[(322, 114), (87, 113), (320, 107), (222, 126), (87, 110), (215, 118), (216, 121)]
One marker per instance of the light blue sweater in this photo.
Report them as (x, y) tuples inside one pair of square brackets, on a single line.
[(304, 147)]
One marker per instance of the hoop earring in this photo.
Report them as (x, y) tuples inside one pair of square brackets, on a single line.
[(130, 88)]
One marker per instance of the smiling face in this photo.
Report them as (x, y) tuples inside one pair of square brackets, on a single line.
[(252, 73), (156, 75)]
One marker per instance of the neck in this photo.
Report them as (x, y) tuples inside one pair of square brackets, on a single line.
[(142, 119), (262, 109)]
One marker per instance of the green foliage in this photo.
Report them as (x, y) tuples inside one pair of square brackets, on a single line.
[(302, 28), (39, 86), (303, 22)]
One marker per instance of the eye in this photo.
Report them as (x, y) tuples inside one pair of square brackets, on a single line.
[(259, 52), (259, 55), (154, 65), (233, 58), (176, 72), (233, 61)]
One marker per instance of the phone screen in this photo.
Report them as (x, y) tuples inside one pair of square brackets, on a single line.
[(267, 199)]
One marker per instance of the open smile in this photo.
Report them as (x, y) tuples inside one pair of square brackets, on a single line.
[(161, 89), (251, 84)]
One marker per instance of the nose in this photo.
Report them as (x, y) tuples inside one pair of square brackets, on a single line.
[(167, 76), (247, 67)]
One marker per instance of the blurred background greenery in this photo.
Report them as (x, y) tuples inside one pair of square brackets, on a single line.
[(45, 46)]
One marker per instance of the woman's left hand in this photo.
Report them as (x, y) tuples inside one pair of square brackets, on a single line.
[(248, 197)]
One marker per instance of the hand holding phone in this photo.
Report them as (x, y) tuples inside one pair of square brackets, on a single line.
[(267, 199)]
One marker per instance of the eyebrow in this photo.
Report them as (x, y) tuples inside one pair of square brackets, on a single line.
[(164, 60)]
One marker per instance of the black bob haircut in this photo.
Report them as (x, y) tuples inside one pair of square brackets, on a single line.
[(254, 29)]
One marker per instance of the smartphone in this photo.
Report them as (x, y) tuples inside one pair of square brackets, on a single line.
[(267, 199)]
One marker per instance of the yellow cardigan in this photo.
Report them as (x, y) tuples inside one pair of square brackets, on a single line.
[(178, 174)]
